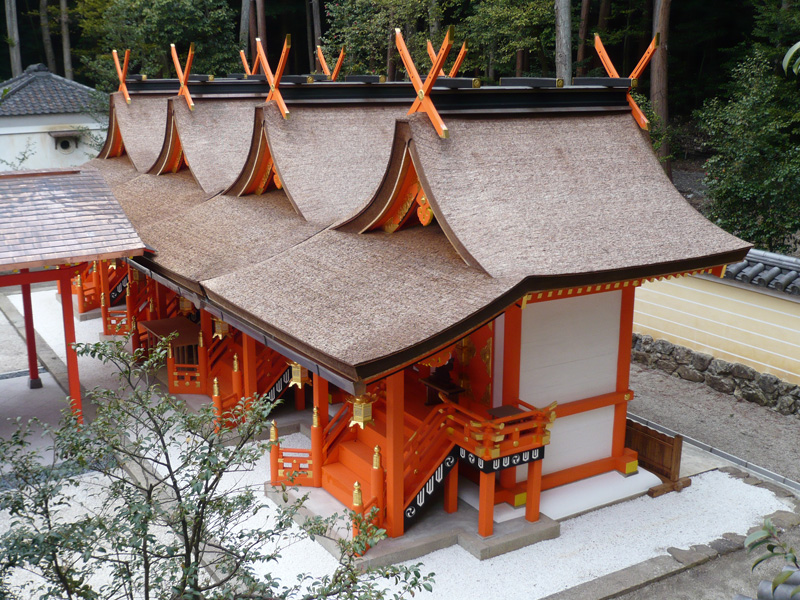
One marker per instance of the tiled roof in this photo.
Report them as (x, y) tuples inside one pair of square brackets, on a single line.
[(39, 92), (58, 217), (768, 270)]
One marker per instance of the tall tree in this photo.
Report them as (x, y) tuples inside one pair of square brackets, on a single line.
[(244, 27), (658, 76), (563, 41), (44, 20), (315, 14), (261, 22), (12, 38), (65, 45), (583, 33)]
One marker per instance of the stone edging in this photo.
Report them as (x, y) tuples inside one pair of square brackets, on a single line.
[(741, 381)]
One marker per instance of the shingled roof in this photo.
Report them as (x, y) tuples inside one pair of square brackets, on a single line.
[(568, 194), (56, 217), (39, 92)]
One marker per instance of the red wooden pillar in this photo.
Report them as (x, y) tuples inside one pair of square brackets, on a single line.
[(451, 490), (512, 341), (316, 449), (249, 366), (395, 396), (34, 382), (321, 399), (534, 491), (238, 379), (105, 297), (299, 398), (206, 330), (161, 300), (486, 504), (72, 359), (623, 369)]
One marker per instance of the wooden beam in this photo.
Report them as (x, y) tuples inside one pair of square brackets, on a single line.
[(122, 73), (338, 67), (183, 74), (274, 80)]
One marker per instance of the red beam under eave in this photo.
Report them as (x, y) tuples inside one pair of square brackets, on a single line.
[(38, 276)]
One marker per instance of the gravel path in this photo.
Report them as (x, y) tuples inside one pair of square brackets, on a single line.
[(754, 433)]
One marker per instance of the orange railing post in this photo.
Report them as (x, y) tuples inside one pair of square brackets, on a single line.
[(316, 449), (358, 506), (202, 362), (274, 453), (81, 296), (238, 380), (172, 382), (377, 478)]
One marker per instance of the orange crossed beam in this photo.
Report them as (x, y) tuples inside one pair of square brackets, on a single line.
[(456, 65), (635, 74), (183, 74), (274, 80), (122, 73), (423, 102), (332, 76)]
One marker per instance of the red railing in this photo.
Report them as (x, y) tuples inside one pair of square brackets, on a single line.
[(337, 425)]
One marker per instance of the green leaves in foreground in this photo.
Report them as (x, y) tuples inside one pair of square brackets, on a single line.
[(768, 539)]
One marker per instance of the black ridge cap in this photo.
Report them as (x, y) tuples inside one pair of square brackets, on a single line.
[(757, 271), (446, 99)]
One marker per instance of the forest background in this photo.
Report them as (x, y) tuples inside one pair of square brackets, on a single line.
[(728, 98)]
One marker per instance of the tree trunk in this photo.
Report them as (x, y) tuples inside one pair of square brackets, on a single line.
[(605, 13), (253, 31), (65, 46), (261, 24), (312, 51), (658, 75), (433, 18), (44, 20), (563, 41), (391, 65), (520, 62), (12, 29), (244, 27), (583, 33), (317, 28)]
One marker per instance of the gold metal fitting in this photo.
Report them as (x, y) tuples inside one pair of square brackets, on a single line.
[(128, 289), (376, 458), (79, 280), (627, 397), (634, 83), (315, 417), (169, 350), (273, 432), (357, 499), (235, 363), (103, 299), (215, 387), (420, 94), (299, 376), (200, 339), (559, 82)]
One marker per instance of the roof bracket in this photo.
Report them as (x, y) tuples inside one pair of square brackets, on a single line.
[(122, 73), (423, 102), (183, 74), (274, 80), (634, 76), (332, 76)]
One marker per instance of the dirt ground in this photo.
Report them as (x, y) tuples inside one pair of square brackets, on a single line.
[(754, 433)]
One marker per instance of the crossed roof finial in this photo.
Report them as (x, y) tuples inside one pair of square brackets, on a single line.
[(641, 119), (456, 65), (122, 73), (332, 76), (183, 74)]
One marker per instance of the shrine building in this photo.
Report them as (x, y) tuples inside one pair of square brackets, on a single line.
[(455, 282)]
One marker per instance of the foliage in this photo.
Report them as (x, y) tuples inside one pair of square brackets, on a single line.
[(754, 176), (23, 155), (148, 27), (168, 520), (660, 133), (768, 538)]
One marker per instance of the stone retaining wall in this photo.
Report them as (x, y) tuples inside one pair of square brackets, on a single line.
[(743, 382)]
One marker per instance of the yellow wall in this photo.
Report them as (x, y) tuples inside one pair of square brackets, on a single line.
[(731, 323)]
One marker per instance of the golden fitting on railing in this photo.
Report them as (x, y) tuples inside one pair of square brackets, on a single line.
[(200, 340), (376, 458), (273, 432), (357, 499), (315, 417), (215, 387), (103, 299), (169, 352), (235, 363)]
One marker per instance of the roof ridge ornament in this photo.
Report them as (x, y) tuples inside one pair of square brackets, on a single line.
[(456, 65), (331, 76), (274, 80), (423, 102), (641, 119), (183, 74), (122, 73)]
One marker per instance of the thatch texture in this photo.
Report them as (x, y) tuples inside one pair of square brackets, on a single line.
[(559, 195), (351, 298), (116, 171), (331, 160), (225, 234), (215, 138), (148, 199), (142, 124)]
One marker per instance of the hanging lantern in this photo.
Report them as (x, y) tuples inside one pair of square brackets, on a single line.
[(221, 329), (362, 409), (185, 307), (299, 376)]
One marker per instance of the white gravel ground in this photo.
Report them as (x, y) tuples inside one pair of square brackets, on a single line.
[(590, 546)]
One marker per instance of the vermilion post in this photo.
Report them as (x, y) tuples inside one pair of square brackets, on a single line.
[(623, 369), (451, 490), (320, 390), (486, 504), (72, 358), (249, 366), (34, 382), (395, 397), (534, 490)]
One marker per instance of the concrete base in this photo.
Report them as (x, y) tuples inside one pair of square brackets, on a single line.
[(35, 384), (435, 530)]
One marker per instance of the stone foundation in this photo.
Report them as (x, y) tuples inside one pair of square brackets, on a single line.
[(741, 381)]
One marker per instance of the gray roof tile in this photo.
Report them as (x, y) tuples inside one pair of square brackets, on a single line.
[(39, 92)]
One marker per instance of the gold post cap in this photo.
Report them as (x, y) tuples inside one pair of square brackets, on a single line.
[(273, 432), (357, 498), (235, 363), (376, 458), (215, 388), (315, 417)]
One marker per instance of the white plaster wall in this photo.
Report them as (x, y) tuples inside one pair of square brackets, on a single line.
[(17, 133), (569, 348)]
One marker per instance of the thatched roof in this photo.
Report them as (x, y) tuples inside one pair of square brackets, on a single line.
[(143, 124), (521, 204)]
